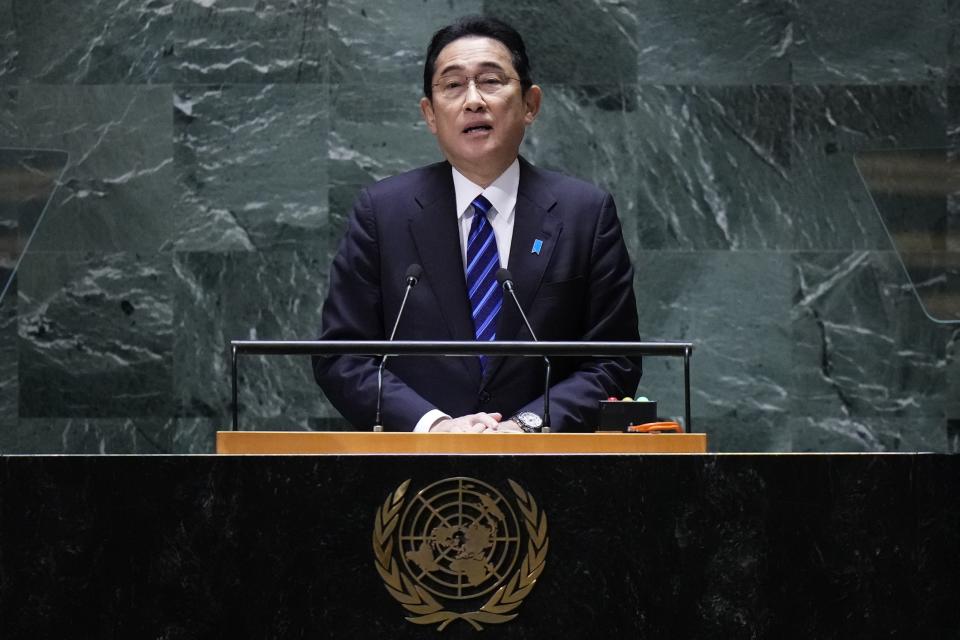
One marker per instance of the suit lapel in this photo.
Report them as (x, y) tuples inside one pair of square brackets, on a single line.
[(437, 239), (535, 219)]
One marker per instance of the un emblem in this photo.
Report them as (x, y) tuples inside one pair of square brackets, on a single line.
[(455, 543)]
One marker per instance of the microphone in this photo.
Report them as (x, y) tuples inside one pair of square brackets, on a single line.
[(506, 281), (412, 277)]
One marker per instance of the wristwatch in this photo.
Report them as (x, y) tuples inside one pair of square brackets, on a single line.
[(528, 421)]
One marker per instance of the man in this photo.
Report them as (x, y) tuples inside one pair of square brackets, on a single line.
[(484, 207)]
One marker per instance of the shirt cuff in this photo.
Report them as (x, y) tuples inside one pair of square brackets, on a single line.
[(424, 424)]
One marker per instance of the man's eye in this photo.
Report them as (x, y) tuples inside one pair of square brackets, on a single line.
[(491, 81), (452, 84)]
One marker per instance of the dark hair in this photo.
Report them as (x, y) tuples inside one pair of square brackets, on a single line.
[(482, 26)]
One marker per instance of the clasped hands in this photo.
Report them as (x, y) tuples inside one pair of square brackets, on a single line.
[(476, 423)]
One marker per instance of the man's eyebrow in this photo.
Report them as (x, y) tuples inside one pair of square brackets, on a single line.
[(459, 67)]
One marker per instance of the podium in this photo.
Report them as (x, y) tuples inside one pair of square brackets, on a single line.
[(639, 546), (366, 443)]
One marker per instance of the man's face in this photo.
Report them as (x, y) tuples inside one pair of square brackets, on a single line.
[(479, 134)]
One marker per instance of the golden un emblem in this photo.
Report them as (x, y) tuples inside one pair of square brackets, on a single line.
[(456, 544)]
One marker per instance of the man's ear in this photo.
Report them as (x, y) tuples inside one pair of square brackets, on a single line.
[(531, 104), (426, 108)]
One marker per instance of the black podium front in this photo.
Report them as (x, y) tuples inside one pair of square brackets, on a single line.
[(647, 546)]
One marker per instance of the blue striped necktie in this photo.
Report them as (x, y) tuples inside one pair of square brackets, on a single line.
[(484, 291)]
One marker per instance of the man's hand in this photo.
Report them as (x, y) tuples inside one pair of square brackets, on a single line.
[(509, 426), (473, 423)]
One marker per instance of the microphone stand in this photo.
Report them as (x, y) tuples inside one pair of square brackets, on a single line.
[(413, 277), (507, 284)]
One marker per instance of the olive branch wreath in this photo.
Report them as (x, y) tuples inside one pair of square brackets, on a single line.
[(422, 604)]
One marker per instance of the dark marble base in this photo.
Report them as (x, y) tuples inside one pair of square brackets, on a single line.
[(763, 546)]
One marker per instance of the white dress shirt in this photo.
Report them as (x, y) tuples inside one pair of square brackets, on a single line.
[(502, 194)]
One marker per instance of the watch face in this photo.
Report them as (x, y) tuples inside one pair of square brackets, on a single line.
[(529, 421)]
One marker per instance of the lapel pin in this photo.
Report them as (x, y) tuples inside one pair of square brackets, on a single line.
[(537, 245)]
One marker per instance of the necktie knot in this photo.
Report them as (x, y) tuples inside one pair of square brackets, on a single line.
[(481, 205)]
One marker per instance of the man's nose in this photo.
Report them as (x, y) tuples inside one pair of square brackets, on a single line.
[(472, 99)]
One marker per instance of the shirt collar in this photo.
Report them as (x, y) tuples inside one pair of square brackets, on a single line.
[(502, 193)]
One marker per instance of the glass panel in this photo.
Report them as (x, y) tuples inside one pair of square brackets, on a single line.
[(916, 193), (28, 178)]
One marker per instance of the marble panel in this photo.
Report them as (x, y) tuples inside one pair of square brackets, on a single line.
[(747, 431), (11, 134), (867, 42), (690, 168), (117, 189), (250, 41), (385, 42), (9, 63), (99, 42), (953, 155), (607, 27), (375, 132), (195, 435), (735, 308), (953, 42), (110, 436), (713, 167), (247, 296), (729, 42), (9, 384), (953, 375), (864, 434), (251, 167), (863, 347), (138, 436), (953, 121), (95, 335), (830, 207), (10, 207)]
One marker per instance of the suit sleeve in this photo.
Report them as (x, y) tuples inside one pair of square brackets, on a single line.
[(354, 310), (610, 313)]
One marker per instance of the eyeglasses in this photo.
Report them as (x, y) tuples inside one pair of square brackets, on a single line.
[(488, 84)]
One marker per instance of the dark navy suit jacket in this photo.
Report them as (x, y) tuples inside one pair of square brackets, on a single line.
[(579, 287)]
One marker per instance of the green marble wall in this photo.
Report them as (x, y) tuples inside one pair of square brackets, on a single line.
[(216, 147)]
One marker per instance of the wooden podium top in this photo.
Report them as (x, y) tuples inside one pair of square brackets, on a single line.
[(364, 442)]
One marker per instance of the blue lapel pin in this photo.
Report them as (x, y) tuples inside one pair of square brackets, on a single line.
[(537, 245)]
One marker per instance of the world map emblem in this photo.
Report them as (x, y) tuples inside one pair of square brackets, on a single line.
[(459, 549)]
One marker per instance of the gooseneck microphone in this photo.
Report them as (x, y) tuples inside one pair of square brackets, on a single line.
[(506, 281), (412, 277)]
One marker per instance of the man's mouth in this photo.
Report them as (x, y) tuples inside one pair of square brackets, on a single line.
[(478, 128)]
